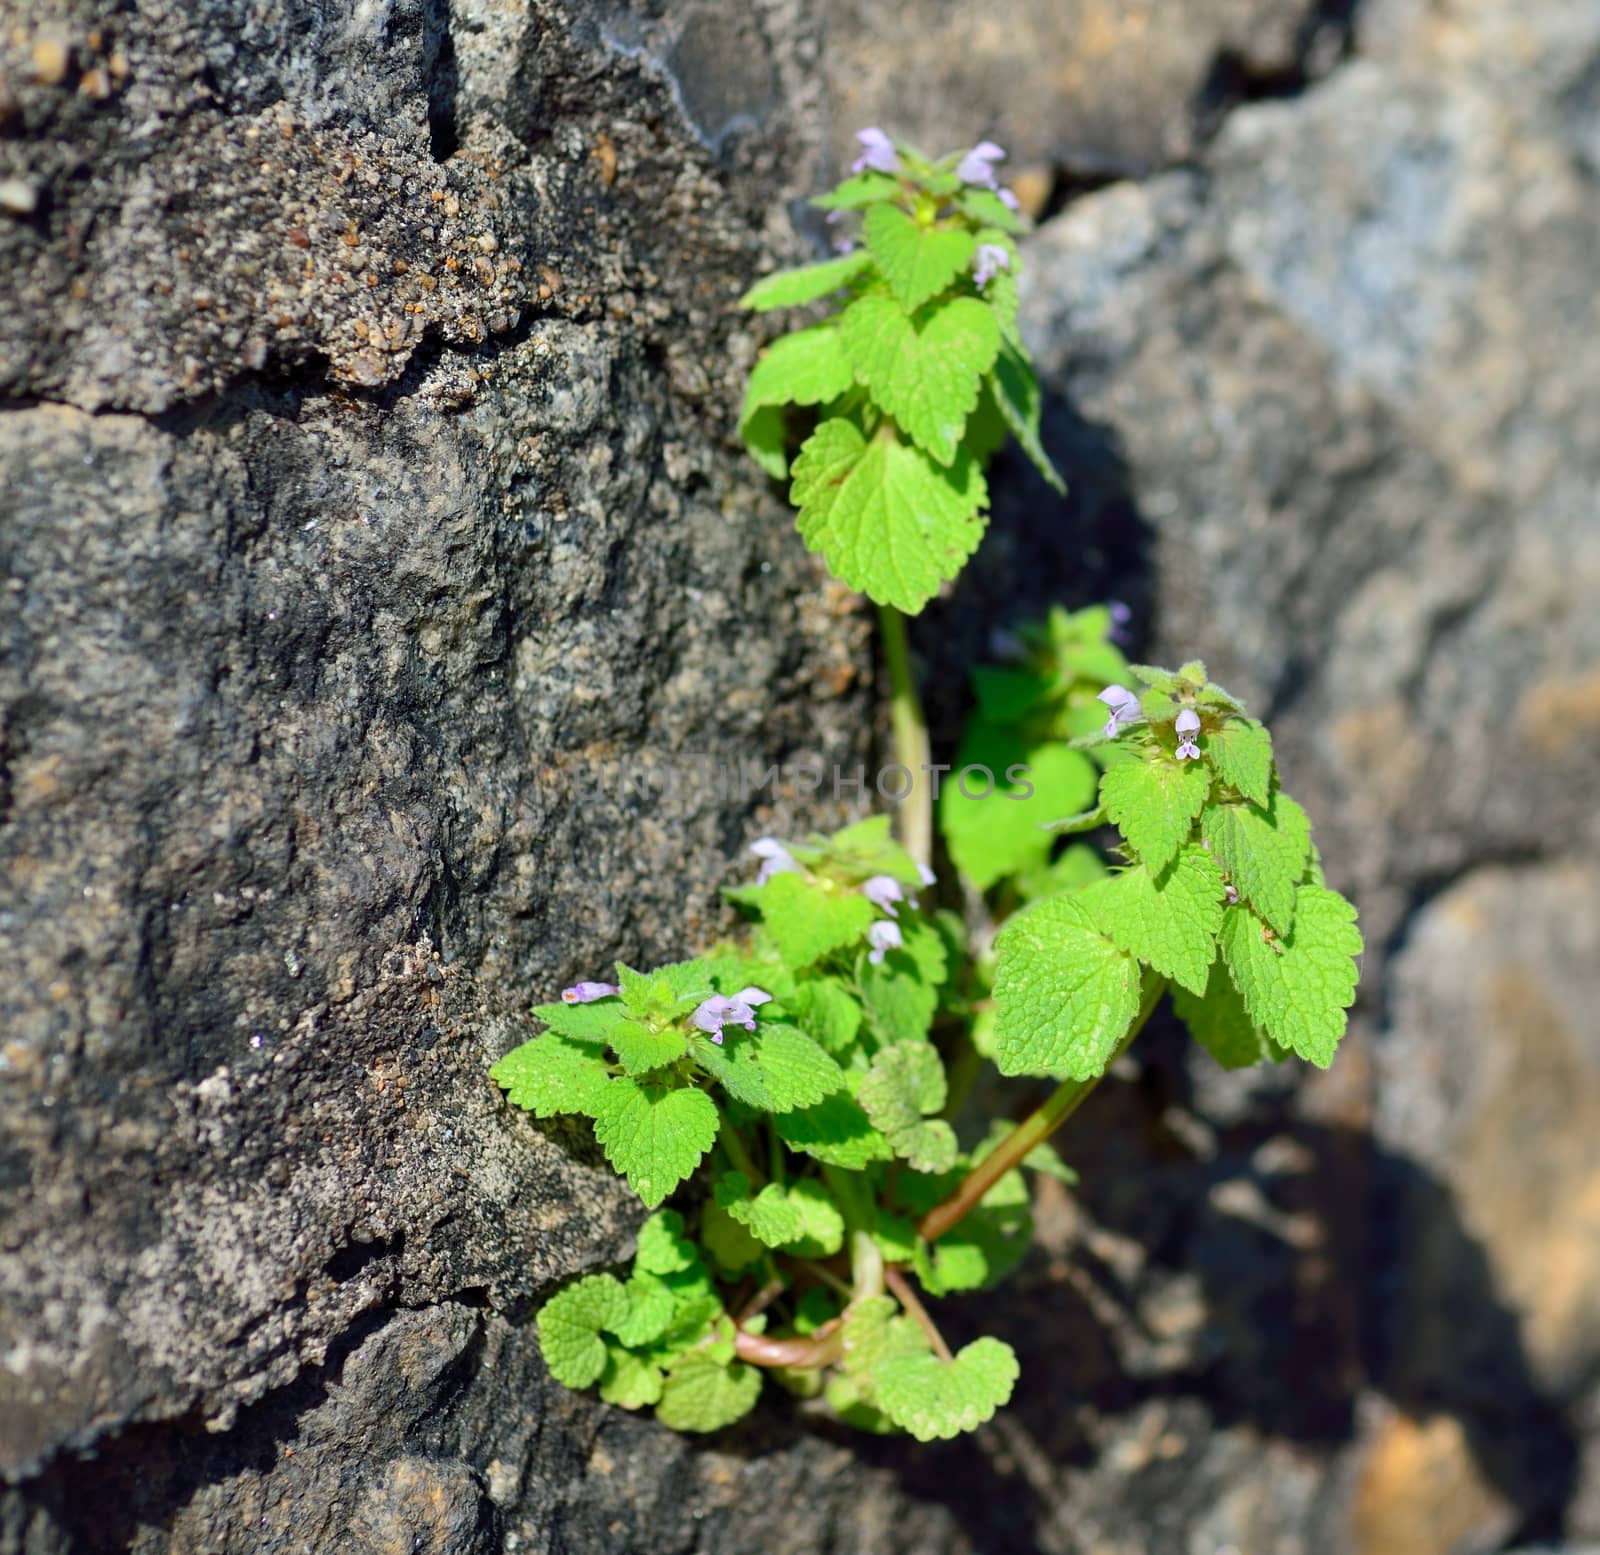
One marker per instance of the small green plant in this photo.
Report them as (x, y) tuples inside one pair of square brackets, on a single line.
[(912, 384), (807, 1081)]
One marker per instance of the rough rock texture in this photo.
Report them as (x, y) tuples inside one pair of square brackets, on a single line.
[(374, 557)]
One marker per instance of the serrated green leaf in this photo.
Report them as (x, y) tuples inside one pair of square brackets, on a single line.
[(821, 1223), (874, 1332), (651, 1306), (1016, 393), (1297, 987), (1004, 833), (1084, 820), (985, 206), (835, 1131), (896, 1237), (639, 1049), (883, 516), (900, 1093), (797, 1072), (654, 1136), (923, 370), (629, 1381), (794, 288), (1263, 852), (703, 1394), (1066, 995), (1240, 752), (769, 1216), (808, 367), (1153, 802), (585, 1024), (1219, 1022), (662, 1247), (917, 261), (570, 1324), (860, 190), (827, 1013), (1169, 921), (550, 1075), (728, 1242), (733, 1065), (807, 920), (863, 849), (935, 1400)]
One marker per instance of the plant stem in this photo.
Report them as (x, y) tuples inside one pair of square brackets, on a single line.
[(808, 1353), (901, 1286), (1033, 1130), (729, 1139), (910, 738)]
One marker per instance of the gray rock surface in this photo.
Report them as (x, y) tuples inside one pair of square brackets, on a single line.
[(343, 611)]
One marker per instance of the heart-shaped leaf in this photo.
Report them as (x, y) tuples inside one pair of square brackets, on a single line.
[(923, 369), (933, 1399)]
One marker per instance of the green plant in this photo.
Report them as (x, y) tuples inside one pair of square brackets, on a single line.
[(809, 1077)]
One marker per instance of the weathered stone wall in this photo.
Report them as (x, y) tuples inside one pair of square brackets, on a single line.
[(369, 493)]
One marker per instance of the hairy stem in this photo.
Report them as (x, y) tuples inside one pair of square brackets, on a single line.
[(903, 1293), (910, 738), (1033, 1130)]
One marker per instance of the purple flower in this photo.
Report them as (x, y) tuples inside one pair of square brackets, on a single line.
[(775, 859), (1232, 893), (884, 891), (1124, 707), (883, 936), (587, 993), (720, 1010), (928, 876), (1008, 199), (1188, 727), (977, 166), (878, 153), (991, 258)]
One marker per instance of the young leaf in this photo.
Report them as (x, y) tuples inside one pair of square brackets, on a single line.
[(639, 1049), (835, 1131), (653, 1136), (902, 991), (769, 1217), (863, 189), (808, 367), (1169, 921), (570, 1324), (1219, 1022), (629, 1381), (875, 1332), (728, 1242), (794, 288), (917, 261), (662, 1247), (821, 1224), (1262, 851), (934, 1399), (1016, 392), (827, 1013), (1297, 987), (923, 370), (884, 517), (1240, 753), (1066, 994), (806, 920), (703, 1394), (1153, 803), (901, 1092), (550, 1075), (1003, 833), (652, 1305), (985, 206), (582, 1023), (666, 993)]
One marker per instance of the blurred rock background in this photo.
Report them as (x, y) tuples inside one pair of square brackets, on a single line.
[(369, 494)]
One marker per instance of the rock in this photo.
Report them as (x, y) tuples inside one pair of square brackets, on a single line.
[(1086, 88), (351, 667)]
